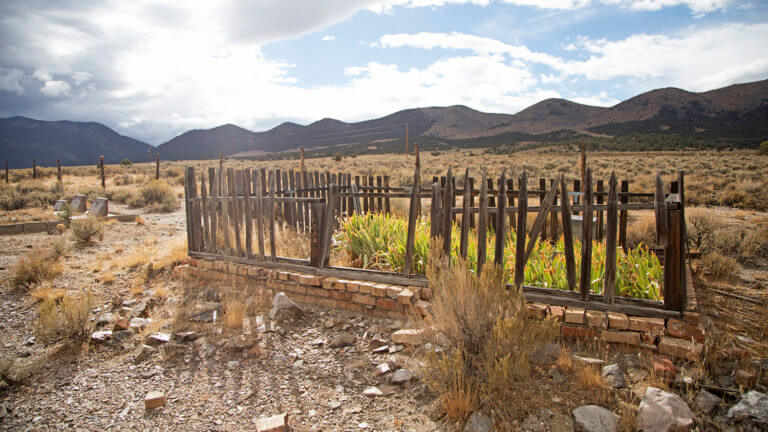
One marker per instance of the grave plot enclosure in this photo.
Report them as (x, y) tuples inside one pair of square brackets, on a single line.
[(237, 216)]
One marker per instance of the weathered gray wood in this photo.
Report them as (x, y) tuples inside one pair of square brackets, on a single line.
[(511, 194), (599, 197), (371, 199), (224, 204), (447, 214), (553, 213), (672, 260), (271, 216), (570, 262), (542, 197), (280, 188), (187, 205), (683, 239), (491, 203), (305, 205), (234, 178), (315, 234), (623, 215), (206, 219), (310, 194), (372, 276), (540, 221), (585, 280), (289, 179), (629, 309), (482, 224), (434, 216), (365, 199), (465, 217), (212, 208), (328, 223), (609, 283), (387, 208), (380, 200), (412, 221), (660, 211), (522, 222), (258, 190), (472, 222), (248, 213), (501, 223)]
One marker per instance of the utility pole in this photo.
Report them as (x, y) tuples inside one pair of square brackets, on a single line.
[(157, 166), (34, 168), (406, 139), (103, 180)]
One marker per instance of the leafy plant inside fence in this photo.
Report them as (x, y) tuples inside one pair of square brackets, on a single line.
[(378, 241)]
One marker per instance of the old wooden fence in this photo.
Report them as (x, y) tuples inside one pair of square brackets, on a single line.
[(234, 215)]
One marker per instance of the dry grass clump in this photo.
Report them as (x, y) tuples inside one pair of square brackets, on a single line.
[(157, 194), (642, 231), (291, 243), (486, 337), (589, 378), (702, 228), (66, 318), (84, 230), (38, 265), (234, 311), (719, 267), (45, 291)]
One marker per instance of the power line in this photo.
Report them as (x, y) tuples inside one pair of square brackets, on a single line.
[(360, 130), (356, 136)]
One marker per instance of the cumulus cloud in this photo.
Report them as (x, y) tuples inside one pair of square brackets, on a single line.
[(329, 38), (10, 80), (697, 7), (55, 88)]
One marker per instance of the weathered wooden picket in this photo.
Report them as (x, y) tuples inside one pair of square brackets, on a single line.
[(243, 201)]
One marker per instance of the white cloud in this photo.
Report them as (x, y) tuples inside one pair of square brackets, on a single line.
[(698, 7), (698, 59), (41, 75), (329, 38), (600, 99), (55, 88), (10, 80)]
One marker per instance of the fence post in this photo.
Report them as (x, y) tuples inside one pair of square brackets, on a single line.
[(600, 200), (609, 283), (204, 208), (660, 212), (271, 216), (522, 221), (34, 167), (212, 207), (434, 217), (58, 172), (248, 213), (190, 244), (314, 234), (6, 172), (157, 168), (482, 223), (553, 218), (585, 281), (570, 261), (465, 216), (448, 214), (412, 218), (673, 289), (258, 180), (624, 199), (542, 188), (103, 178)]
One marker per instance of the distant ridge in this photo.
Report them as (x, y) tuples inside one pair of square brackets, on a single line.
[(738, 110)]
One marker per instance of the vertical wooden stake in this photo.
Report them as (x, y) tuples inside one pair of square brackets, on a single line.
[(542, 188), (448, 215), (204, 207), (6, 172), (501, 223), (522, 222), (301, 154), (482, 224), (213, 208), (412, 220), (248, 213), (600, 200), (271, 216), (609, 284), (157, 168), (585, 282), (34, 167), (103, 178), (624, 199), (583, 163), (660, 211), (570, 262), (465, 217), (406, 139), (58, 171), (259, 191)]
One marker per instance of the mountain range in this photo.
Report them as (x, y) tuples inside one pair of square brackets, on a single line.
[(737, 111)]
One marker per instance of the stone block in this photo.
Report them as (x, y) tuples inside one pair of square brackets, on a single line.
[(405, 297), (78, 203), (648, 325), (577, 332), (278, 423), (596, 319), (574, 316), (364, 299), (557, 311), (622, 337), (154, 399), (684, 330), (379, 290), (618, 321), (680, 348)]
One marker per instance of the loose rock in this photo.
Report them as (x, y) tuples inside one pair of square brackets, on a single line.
[(614, 376), (278, 423), (342, 340), (547, 421), (402, 376), (478, 422), (753, 407), (662, 411), (593, 418), (283, 308), (154, 399), (706, 401)]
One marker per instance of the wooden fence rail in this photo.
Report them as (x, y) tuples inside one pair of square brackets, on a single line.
[(236, 215)]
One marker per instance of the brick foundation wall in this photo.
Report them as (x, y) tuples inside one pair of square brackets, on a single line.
[(681, 338)]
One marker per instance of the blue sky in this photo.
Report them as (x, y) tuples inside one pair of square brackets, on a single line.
[(153, 69)]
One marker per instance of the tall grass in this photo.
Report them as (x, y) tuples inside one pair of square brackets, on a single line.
[(378, 241)]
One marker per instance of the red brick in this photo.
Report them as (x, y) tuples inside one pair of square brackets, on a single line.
[(596, 319), (387, 303), (578, 332), (352, 286), (622, 337), (680, 348), (366, 287), (691, 318), (379, 290), (558, 312), (649, 325), (295, 276), (364, 299), (330, 282), (416, 292), (649, 338), (283, 275), (574, 316), (683, 330), (663, 367), (393, 291), (618, 321), (405, 297), (327, 302), (254, 272), (340, 295), (310, 280), (354, 307), (275, 284), (537, 310), (318, 292)]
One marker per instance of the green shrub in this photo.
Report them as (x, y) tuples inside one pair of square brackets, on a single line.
[(155, 192), (125, 162), (337, 157), (763, 148), (84, 230)]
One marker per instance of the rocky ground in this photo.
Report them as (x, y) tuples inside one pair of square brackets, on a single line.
[(327, 370)]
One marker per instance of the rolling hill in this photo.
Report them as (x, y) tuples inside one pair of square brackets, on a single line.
[(75, 143), (737, 112)]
